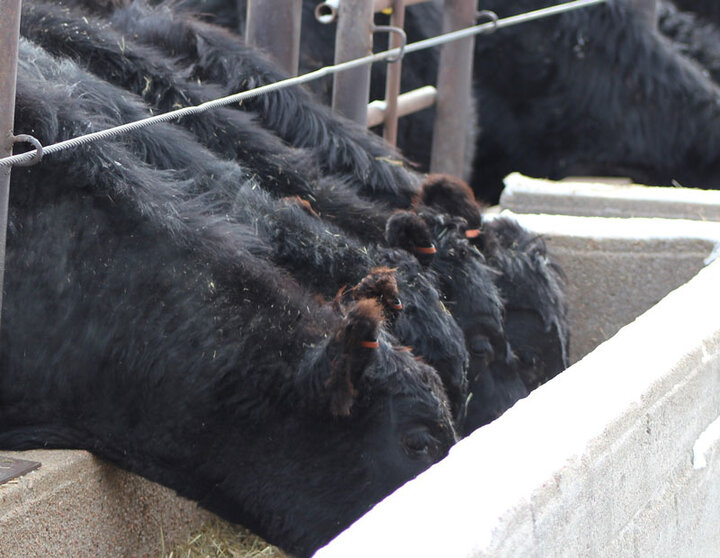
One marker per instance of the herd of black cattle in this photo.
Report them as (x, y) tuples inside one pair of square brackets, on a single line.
[(265, 307)]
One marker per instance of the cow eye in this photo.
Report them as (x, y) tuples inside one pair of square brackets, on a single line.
[(418, 442), (481, 347)]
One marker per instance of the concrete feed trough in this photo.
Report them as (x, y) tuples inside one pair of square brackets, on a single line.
[(618, 456)]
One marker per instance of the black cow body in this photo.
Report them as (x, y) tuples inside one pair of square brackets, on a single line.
[(692, 36), (145, 324), (213, 55), (532, 289), (592, 92), (707, 9), (283, 170), (318, 255)]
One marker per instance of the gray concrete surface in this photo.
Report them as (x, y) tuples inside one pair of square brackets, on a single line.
[(604, 199), (78, 506), (619, 456)]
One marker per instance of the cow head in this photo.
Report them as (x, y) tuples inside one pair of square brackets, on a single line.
[(407, 230)]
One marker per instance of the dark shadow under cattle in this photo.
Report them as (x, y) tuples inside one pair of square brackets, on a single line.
[(142, 325)]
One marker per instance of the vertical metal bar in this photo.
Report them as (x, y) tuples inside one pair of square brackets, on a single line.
[(9, 35), (454, 90), (353, 39), (392, 81), (275, 28)]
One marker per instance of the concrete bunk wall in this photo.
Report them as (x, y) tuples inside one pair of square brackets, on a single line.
[(78, 505)]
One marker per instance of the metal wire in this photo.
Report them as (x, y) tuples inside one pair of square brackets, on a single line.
[(298, 80)]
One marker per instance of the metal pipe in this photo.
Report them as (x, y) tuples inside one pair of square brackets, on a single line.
[(326, 12), (380, 5), (407, 103), (353, 39), (392, 79), (9, 35), (454, 90), (275, 29)]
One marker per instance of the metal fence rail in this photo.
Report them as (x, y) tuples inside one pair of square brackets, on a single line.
[(9, 33), (275, 28)]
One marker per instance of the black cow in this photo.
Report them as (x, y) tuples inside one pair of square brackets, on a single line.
[(144, 325), (692, 36), (708, 9), (319, 255), (283, 170), (593, 92), (533, 287), (530, 283), (213, 55)]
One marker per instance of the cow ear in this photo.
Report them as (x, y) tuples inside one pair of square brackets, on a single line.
[(354, 347), (449, 194), (409, 231), (380, 284)]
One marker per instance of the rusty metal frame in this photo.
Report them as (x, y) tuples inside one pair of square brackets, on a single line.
[(9, 36), (392, 80), (275, 28), (452, 97), (454, 90), (353, 39)]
